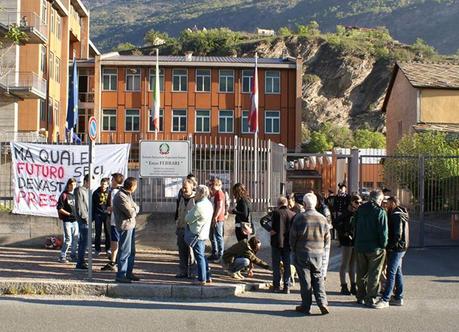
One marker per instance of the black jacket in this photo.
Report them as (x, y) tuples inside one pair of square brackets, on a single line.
[(398, 230), (281, 222), (242, 211), (67, 202), (345, 228)]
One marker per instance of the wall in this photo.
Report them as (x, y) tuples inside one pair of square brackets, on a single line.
[(439, 106), (401, 108)]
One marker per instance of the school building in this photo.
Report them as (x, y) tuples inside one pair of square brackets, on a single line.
[(200, 96)]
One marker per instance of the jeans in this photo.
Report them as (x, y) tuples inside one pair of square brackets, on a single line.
[(183, 250), (240, 234), (216, 238), (394, 276), (239, 264), (311, 280), (278, 255), (347, 265), (201, 260), (82, 242), (101, 220), (126, 253), (70, 239), (369, 268)]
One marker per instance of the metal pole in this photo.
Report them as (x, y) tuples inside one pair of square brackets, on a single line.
[(354, 171), (421, 199), (91, 170)]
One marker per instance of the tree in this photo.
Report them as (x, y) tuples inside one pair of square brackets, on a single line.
[(310, 30), (317, 144), (13, 37), (124, 47), (221, 41), (440, 170), (339, 136), (367, 139), (420, 46), (155, 38), (284, 32)]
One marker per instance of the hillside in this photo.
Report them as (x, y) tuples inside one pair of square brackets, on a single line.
[(116, 21)]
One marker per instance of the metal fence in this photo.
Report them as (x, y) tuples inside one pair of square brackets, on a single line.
[(428, 186), (230, 158)]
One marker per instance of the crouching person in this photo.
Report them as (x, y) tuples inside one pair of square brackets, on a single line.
[(242, 257), (308, 236)]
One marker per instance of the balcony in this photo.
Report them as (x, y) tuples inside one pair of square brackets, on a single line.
[(28, 22), (23, 85)]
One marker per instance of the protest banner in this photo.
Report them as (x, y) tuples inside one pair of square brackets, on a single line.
[(40, 172)]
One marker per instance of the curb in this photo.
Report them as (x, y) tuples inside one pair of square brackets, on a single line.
[(51, 287)]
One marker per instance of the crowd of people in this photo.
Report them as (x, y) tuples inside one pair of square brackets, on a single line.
[(373, 237)]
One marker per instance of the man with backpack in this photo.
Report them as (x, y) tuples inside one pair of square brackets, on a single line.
[(82, 214)]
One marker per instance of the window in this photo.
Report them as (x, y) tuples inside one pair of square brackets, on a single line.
[(368, 185), (380, 185), (179, 120), (109, 120), (51, 65), (59, 26), (161, 120), (58, 70), (42, 110), (52, 20), (152, 79), (225, 122), (43, 59), (245, 122), (57, 111), (132, 79), (44, 11), (272, 81), (179, 80), (51, 110), (247, 77), (226, 81), (272, 122), (203, 80), (81, 125), (203, 121), (132, 120), (109, 78)]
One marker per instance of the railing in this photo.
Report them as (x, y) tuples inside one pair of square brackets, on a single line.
[(86, 97), (24, 80), (24, 20)]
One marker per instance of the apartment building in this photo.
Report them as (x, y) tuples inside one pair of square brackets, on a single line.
[(204, 96), (34, 87)]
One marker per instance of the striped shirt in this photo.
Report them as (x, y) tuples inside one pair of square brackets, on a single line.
[(309, 233)]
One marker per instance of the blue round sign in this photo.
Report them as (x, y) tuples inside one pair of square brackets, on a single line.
[(92, 128)]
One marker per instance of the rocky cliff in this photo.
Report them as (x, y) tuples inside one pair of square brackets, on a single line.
[(340, 87)]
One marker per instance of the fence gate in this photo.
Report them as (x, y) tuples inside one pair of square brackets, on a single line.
[(428, 186)]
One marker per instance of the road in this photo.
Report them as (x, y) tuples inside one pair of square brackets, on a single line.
[(432, 304)]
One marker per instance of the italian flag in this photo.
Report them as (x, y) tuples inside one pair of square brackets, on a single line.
[(253, 114)]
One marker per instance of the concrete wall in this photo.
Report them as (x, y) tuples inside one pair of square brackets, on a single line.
[(401, 111), (154, 231), (439, 106)]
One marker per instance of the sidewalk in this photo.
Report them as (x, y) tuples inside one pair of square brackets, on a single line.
[(37, 271)]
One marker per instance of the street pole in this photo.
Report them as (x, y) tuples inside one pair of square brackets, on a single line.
[(91, 170)]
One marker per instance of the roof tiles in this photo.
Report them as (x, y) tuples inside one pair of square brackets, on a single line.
[(431, 75)]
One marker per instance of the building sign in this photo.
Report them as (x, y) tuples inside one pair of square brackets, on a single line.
[(41, 171), (167, 159)]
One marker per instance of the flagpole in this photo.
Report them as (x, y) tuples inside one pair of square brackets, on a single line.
[(256, 131), (156, 96)]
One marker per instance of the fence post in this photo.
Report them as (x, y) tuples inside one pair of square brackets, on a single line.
[(354, 171), (190, 160), (270, 171), (421, 199), (235, 160)]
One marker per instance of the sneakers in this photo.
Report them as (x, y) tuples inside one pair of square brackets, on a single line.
[(396, 302), (381, 304), (63, 260), (198, 283), (286, 290), (109, 267), (236, 275), (344, 290)]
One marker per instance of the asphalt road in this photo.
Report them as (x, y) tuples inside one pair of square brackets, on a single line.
[(432, 304)]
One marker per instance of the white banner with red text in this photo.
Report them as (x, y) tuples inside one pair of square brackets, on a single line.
[(41, 171)]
